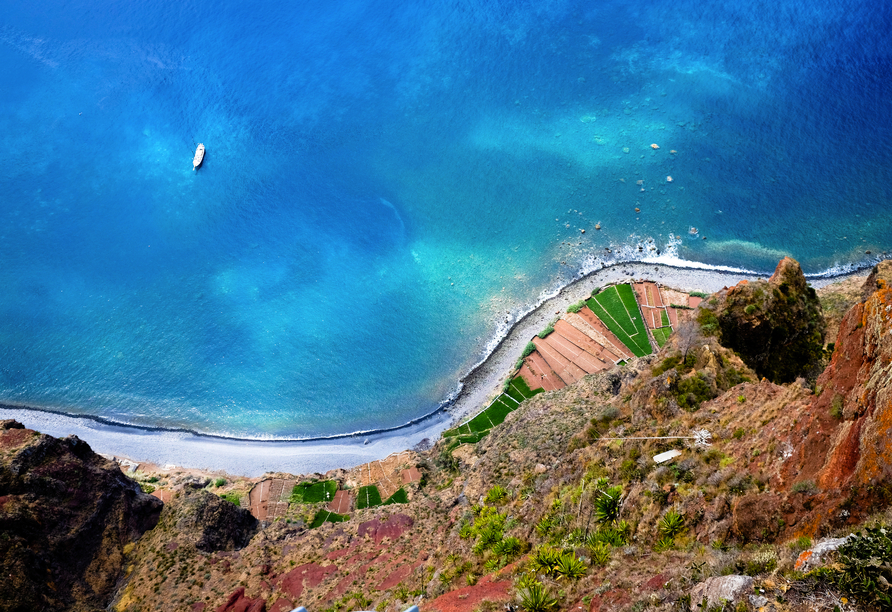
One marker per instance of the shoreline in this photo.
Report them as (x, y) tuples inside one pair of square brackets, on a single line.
[(253, 457)]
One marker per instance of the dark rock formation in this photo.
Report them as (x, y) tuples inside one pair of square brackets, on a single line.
[(208, 521), (66, 515), (776, 326)]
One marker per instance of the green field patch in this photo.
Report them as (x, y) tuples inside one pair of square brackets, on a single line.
[(473, 438), (313, 492), (524, 389), (514, 394), (324, 516), (661, 335), (664, 318), (400, 497), (498, 411), (368, 497), (618, 310)]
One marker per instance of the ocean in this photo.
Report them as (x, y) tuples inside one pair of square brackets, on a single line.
[(387, 187)]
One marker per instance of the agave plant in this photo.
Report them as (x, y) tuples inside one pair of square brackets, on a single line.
[(607, 505), (600, 553), (570, 566), (496, 495), (664, 544), (671, 524), (536, 598), (509, 547), (545, 559)]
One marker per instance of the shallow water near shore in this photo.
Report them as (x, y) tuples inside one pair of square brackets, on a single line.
[(387, 189)]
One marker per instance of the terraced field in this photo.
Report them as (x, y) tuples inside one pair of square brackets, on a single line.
[(616, 324)]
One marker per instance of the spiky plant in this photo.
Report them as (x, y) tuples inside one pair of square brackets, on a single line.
[(607, 505), (536, 598), (570, 566), (664, 544), (671, 524), (600, 553), (496, 495)]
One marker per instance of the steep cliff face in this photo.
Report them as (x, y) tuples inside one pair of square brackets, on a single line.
[(847, 432), (66, 517), (776, 326)]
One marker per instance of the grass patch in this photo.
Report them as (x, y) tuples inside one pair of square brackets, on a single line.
[(400, 497), (698, 294), (521, 385), (324, 516), (313, 492), (664, 318), (616, 310), (473, 438), (512, 392), (368, 497), (661, 335)]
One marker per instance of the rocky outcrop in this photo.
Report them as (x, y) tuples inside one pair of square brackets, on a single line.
[(66, 518), (721, 590), (208, 522), (847, 433), (776, 326)]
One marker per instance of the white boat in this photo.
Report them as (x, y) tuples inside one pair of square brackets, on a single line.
[(199, 157)]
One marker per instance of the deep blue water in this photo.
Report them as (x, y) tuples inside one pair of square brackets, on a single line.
[(384, 183)]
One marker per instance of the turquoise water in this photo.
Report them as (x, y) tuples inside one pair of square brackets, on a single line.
[(387, 187)]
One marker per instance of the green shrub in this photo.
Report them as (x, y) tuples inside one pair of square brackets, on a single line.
[(750, 309), (709, 323), (607, 505), (836, 406), (600, 553), (691, 392), (805, 486), (545, 559), (146, 487), (232, 498), (576, 307), (219, 482), (698, 294), (548, 330), (664, 544), (536, 598), (528, 350), (496, 495), (866, 561), (570, 566), (671, 524)]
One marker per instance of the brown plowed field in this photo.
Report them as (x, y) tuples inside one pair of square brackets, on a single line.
[(567, 371), (588, 363), (581, 340), (341, 503), (548, 379), (268, 499)]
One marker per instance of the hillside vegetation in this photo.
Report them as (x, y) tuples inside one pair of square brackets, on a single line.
[(562, 506)]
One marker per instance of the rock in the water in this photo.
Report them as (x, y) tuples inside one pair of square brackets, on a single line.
[(731, 589)]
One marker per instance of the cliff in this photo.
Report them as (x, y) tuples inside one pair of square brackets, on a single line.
[(67, 518), (563, 506)]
